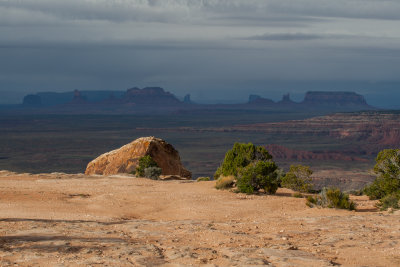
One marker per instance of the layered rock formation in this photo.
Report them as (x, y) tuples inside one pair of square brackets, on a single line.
[(366, 132), (284, 153), (126, 158)]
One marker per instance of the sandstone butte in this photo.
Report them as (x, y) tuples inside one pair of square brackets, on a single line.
[(126, 158)]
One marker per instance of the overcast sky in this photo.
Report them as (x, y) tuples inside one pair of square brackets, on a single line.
[(212, 49)]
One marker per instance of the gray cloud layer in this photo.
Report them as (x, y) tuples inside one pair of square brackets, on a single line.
[(200, 46)]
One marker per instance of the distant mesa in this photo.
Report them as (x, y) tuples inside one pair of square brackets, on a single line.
[(32, 101), (253, 98), (334, 98), (258, 100), (49, 99), (150, 96), (126, 158), (157, 100), (319, 100)]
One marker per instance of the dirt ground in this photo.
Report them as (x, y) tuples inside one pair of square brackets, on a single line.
[(77, 220)]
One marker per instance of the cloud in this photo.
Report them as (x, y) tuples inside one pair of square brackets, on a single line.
[(173, 11), (195, 44), (367, 9), (285, 37)]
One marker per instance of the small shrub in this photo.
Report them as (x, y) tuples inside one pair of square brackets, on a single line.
[(203, 179), (312, 200), (152, 173), (298, 195), (258, 175), (144, 163), (225, 182), (331, 198), (298, 178), (390, 201), (240, 156)]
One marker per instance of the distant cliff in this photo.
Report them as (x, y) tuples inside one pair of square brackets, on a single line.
[(32, 101), (48, 99), (157, 100), (258, 100), (284, 153), (150, 96), (334, 99)]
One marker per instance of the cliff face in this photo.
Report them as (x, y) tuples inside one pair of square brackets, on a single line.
[(334, 99), (374, 130), (284, 153)]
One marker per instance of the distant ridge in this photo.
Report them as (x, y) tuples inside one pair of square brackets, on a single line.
[(152, 100), (334, 98), (150, 96), (48, 99), (320, 100)]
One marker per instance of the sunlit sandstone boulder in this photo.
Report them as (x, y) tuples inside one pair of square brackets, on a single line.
[(126, 158)]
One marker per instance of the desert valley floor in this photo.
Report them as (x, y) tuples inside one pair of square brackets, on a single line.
[(77, 220)]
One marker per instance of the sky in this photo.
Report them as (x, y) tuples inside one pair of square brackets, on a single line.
[(212, 49)]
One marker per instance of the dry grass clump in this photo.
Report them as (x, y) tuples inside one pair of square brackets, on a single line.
[(331, 198), (203, 179), (225, 182)]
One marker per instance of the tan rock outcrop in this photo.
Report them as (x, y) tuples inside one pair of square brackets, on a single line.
[(126, 158)]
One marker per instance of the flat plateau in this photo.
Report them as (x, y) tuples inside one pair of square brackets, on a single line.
[(76, 220)]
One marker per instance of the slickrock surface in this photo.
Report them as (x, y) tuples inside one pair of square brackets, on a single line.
[(126, 158), (77, 220)]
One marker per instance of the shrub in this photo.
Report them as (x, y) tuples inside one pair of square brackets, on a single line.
[(331, 198), (298, 178), (312, 200), (390, 201), (152, 173), (239, 157), (225, 182), (298, 195), (144, 163), (202, 179), (387, 168), (258, 175)]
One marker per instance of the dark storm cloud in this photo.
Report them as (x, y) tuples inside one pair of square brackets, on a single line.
[(202, 46)]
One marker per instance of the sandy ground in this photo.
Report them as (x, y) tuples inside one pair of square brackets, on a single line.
[(77, 220)]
